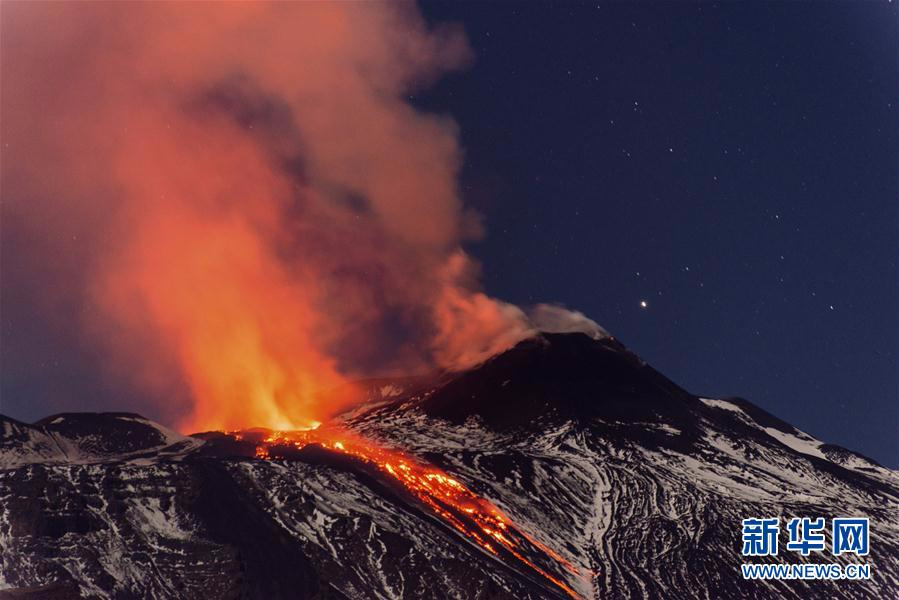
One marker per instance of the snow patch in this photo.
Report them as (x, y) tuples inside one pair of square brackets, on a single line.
[(723, 404), (666, 428), (802, 443)]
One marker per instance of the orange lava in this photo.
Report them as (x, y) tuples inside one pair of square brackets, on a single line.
[(472, 516)]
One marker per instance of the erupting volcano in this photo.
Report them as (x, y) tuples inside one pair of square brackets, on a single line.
[(259, 218), (248, 225), (564, 467), (272, 219)]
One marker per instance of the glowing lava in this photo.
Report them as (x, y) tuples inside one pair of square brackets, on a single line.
[(472, 516)]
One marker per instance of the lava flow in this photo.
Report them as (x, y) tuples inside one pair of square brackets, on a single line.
[(475, 518)]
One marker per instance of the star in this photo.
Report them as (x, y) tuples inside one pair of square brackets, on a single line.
[(644, 304)]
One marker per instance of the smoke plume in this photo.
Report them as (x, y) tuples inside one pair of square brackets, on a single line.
[(240, 200)]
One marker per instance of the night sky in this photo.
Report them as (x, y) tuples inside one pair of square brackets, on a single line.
[(733, 166), (716, 185)]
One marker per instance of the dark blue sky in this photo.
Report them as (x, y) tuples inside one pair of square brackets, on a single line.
[(735, 166)]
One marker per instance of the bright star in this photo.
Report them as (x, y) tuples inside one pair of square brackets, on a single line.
[(644, 304)]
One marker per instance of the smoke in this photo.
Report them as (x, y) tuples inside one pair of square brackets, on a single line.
[(552, 318), (240, 201)]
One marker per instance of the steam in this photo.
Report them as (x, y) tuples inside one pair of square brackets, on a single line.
[(553, 318), (264, 216)]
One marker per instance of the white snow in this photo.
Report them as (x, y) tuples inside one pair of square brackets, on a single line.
[(148, 516), (666, 428), (50, 447), (724, 404), (802, 442), (171, 437), (805, 444)]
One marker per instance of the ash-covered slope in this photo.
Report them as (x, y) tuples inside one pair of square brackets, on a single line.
[(639, 485)]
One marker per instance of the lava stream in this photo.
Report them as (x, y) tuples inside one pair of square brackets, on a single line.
[(474, 517)]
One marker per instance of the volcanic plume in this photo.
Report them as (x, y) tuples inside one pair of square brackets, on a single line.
[(241, 208), (263, 218)]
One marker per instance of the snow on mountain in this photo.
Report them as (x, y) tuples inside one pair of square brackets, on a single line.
[(78, 438), (598, 458)]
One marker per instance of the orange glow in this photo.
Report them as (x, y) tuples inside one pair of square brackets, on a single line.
[(244, 208), (472, 516), (241, 201), (241, 329)]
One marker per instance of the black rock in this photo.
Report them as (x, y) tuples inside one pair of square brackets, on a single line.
[(597, 457)]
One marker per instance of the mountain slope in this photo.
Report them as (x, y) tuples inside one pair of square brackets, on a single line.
[(595, 456)]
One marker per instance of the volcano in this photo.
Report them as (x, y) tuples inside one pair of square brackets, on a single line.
[(565, 467)]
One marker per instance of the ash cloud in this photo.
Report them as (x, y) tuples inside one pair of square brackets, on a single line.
[(241, 208)]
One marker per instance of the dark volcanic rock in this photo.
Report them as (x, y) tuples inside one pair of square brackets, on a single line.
[(640, 485), (560, 376)]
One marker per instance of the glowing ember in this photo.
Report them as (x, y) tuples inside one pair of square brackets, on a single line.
[(472, 516)]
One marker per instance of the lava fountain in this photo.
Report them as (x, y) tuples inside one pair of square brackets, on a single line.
[(244, 212)]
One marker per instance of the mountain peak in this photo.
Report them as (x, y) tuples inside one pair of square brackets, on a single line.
[(567, 375), (88, 438), (594, 457)]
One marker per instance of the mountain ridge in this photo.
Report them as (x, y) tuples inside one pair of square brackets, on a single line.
[(641, 501)]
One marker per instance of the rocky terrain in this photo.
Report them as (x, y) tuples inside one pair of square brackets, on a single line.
[(619, 483)]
